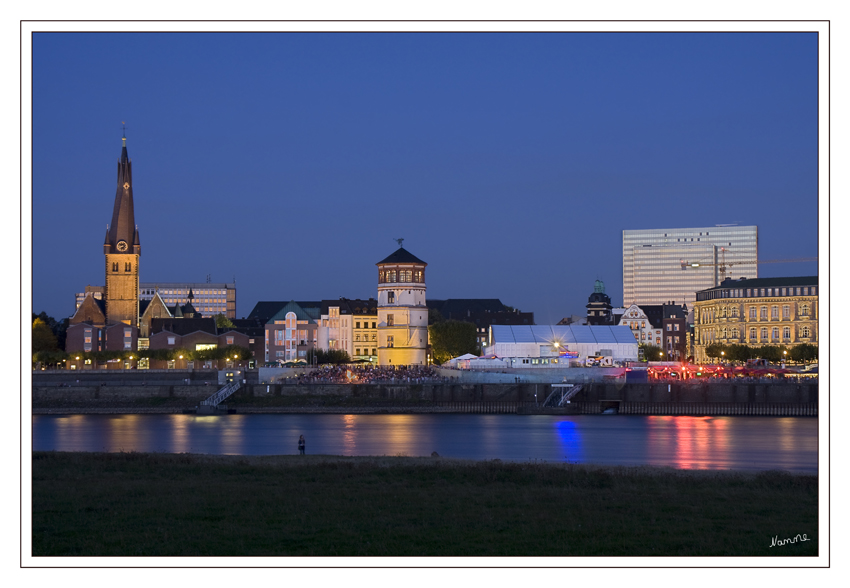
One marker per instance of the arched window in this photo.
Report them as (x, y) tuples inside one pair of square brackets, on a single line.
[(734, 313), (805, 331), (804, 310)]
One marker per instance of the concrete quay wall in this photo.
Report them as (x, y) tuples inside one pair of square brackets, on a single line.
[(445, 392)]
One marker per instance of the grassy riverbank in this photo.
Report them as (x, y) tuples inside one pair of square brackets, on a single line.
[(136, 504)]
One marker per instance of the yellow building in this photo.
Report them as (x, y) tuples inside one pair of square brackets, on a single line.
[(402, 312), (756, 312)]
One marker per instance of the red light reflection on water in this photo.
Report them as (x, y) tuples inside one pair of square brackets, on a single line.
[(688, 442)]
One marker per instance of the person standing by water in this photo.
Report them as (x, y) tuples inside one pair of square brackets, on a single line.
[(301, 444)]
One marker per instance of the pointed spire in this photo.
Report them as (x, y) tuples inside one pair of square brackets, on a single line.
[(123, 225)]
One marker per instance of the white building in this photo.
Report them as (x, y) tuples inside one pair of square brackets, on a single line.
[(402, 312), (644, 332), (557, 344)]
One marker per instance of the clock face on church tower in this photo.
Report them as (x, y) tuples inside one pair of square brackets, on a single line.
[(121, 246)]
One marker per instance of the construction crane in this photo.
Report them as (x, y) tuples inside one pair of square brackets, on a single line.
[(722, 264)]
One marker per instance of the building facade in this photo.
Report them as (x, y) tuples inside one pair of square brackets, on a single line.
[(402, 311), (659, 264), (764, 311), (599, 306), (210, 299), (644, 331)]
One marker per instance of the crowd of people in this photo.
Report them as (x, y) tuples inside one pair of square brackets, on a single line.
[(368, 374)]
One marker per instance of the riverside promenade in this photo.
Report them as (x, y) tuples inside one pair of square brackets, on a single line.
[(173, 391)]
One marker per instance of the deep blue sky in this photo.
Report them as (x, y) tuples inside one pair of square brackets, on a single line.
[(511, 163)]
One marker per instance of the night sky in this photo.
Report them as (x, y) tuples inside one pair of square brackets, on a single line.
[(511, 163)]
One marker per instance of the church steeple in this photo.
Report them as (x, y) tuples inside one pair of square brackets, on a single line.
[(122, 236)]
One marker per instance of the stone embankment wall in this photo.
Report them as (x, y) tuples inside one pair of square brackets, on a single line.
[(438, 393)]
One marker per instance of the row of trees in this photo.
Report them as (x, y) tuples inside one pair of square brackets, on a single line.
[(56, 358), (803, 353)]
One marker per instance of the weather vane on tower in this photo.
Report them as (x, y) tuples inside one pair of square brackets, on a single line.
[(399, 241)]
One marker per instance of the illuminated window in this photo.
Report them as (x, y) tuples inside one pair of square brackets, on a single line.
[(171, 340), (786, 311), (764, 334), (753, 312), (390, 297), (230, 340), (804, 310), (389, 340), (764, 312), (774, 312), (734, 312), (390, 321), (752, 334), (805, 331), (786, 333)]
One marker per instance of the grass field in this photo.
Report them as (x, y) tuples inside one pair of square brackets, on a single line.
[(136, 504)]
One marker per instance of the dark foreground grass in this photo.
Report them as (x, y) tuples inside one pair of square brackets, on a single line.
[(136, 504)]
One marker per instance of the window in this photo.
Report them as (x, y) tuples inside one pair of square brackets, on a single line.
[(804, 332), (805, 291), (357, 338), (374, 351), (230, 340), (389, 340), (171, 340), (804, 310), (764, 334), (733, 312), (676, 327), (774, 312), (356, 351), (390, 297), (786, 333), (390, 320), (115, 266), (669, 327), (764, 312), (374, 338), (775, 333), (357, 325), (753, 334), (128, 267), (373, 324), (734, 334), (786, 311)]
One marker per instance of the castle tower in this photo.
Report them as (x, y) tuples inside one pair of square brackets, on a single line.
[(122, 249), (402, 313)]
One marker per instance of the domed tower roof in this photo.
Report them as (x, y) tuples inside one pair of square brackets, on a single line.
[(401, 255)]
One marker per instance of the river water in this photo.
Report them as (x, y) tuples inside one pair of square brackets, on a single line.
[(741, 443)]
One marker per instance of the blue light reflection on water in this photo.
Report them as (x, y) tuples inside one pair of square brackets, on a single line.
[(753, 443)]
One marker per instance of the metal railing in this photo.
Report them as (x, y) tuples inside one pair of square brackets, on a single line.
[(222, 394), (561, 394)]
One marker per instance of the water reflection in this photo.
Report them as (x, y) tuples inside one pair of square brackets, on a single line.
[(682, 442)]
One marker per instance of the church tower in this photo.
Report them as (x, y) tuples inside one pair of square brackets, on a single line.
[(402, 313), (122, 249)]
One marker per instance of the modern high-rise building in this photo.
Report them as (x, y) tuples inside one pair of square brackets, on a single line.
[(663, 265), (209, 299)]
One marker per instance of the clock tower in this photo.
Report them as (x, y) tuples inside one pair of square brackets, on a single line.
[(122, 249)]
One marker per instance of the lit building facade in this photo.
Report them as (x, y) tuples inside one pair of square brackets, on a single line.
[(764, 311), (209, 299), (402, 312), (657, 262)]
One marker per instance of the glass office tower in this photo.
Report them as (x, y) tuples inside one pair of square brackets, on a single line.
[(653, 262)]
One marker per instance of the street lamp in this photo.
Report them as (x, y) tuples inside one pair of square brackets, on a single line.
[(722, 357)]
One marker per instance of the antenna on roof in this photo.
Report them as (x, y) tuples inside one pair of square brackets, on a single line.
[(399, 241)]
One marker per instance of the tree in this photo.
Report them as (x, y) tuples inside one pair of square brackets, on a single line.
[(58, 327), (715, 350), (222, 322), (321, 356), (451, 339), (771, 353), (652, 352), (803, 352), (434, 316), (740, 353), (43, 338)]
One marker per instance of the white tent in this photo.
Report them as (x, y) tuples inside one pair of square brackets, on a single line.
[(465, 357)]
